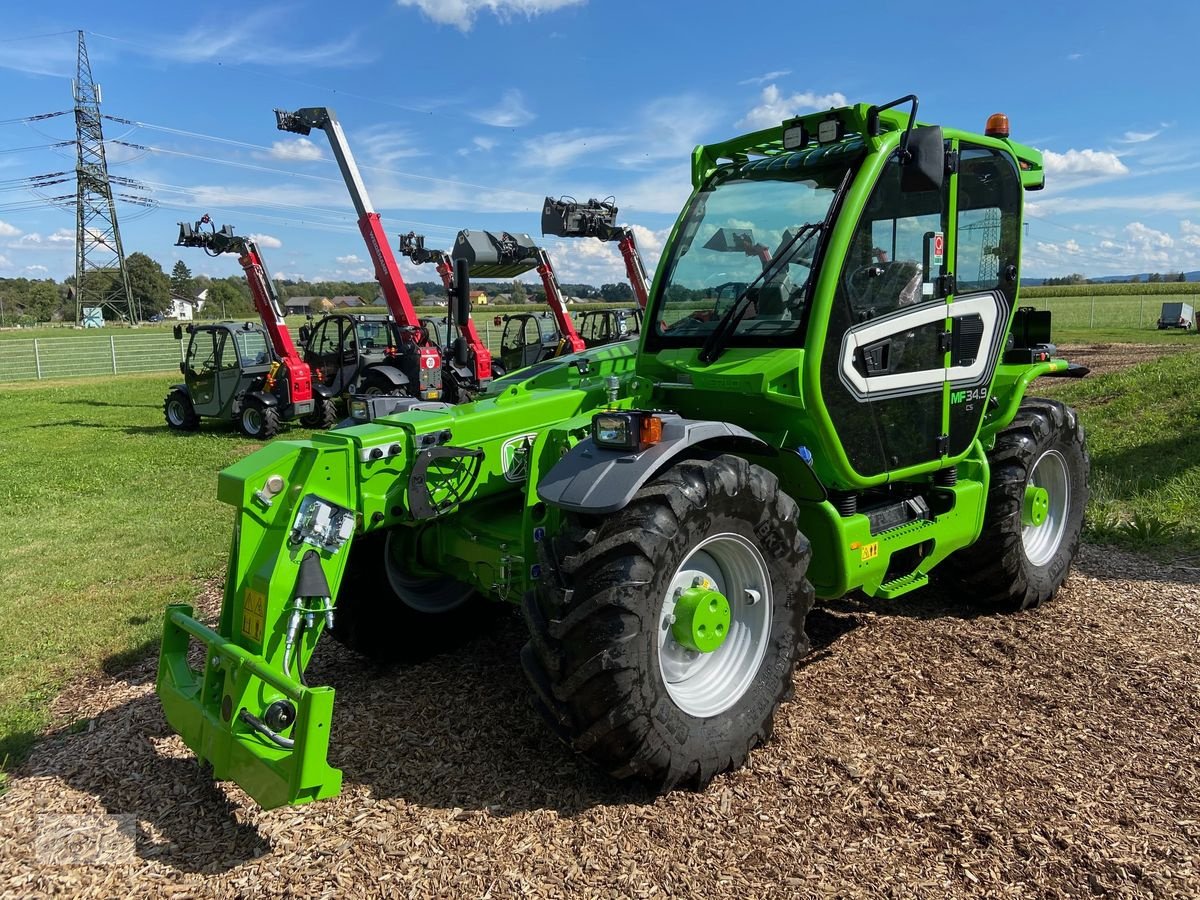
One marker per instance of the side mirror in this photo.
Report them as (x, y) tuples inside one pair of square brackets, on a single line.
[(729, 240), (498, 321), (183, 368), (178, 332), (305, 334), (924, 169), (462, 290)]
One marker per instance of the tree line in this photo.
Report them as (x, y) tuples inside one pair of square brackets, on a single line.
[(26, 301), (1151, 278)]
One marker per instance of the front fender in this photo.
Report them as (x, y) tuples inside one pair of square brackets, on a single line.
[(592, 479)]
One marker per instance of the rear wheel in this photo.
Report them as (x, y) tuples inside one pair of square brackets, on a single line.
[(376, 385), (388, 613), (664, 637), (324, 414), (258, 421), (179, 412), (1034, 516)]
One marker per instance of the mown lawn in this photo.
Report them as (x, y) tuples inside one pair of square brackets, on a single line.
[(111, 516), (1143, 432)]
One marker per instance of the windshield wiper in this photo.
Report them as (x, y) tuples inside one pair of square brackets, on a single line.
[(714, 345)]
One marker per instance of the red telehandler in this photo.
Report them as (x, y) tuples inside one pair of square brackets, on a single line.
[(567, 217), (411, 362), (240, 371)]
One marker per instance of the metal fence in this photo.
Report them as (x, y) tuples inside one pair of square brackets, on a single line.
[(1107, 311), (68, 357)]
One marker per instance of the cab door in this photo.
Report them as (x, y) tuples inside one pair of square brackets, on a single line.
[(323, 353), (987, 251), (200, 371), (883, 366), (229, 370)]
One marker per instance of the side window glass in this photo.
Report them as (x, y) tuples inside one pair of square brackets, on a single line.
[(227, 352), (202, 353), (989, 219), (886, 267), (327, 338)]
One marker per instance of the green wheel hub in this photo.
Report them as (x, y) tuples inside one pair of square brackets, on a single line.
[(701, 618), (1036, 507)]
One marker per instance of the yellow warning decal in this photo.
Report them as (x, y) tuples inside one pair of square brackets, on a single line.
[(870, 551), (254, 610)]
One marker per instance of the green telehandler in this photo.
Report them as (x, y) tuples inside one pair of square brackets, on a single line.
[(828, 396)]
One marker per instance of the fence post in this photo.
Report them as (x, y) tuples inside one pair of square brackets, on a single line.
[(1092, 319), (37, 359), (1141, 314), (112, 346)]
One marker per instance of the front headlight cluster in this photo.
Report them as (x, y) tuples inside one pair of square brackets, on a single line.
[(629, 430)]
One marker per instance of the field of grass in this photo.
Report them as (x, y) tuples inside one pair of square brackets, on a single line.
[(111, 516)]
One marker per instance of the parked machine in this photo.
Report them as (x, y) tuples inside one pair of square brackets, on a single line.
[(500, 254), (243, 372), (467, 365), (567, 217), (1177, 315), (408, 362), (844, 417)]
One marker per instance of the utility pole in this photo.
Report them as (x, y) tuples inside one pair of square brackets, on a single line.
[(101, 279)]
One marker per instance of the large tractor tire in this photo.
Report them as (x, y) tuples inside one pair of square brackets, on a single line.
[(391, 616), (663, 638), (179, 412), (323, 416), (258, 421), (1034, 516)]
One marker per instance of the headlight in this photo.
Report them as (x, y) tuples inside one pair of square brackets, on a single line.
[(322, 524), (360, 410), (626, 430)]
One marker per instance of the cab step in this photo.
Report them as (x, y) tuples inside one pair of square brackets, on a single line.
[(890, 590)]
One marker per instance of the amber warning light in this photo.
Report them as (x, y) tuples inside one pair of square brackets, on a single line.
[(997, 126)]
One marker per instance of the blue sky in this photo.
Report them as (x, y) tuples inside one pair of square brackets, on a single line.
[(465, 113)]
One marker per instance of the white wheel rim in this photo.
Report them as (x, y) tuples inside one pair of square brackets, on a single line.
[(1042, 541), (252, 419), (706, 684), (432, 596), (175, 412)]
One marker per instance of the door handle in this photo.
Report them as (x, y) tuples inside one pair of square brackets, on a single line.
[(874, 359)]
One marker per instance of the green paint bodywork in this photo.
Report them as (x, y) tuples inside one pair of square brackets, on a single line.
[(522, 427)]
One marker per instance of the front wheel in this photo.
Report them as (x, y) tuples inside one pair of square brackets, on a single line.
[(664, 637), (258, 421), (376, 385), (179, 412), (1034, 516), (324, 414)]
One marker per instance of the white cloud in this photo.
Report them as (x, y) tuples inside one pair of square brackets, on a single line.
[(5, 262), (244, 42), (561, 148), (462, 13), (267, 240), (300, 149), (1189, 227), (1140, 137), (36, 270), (8, 231), (383, 145), (1074, 57), (773, 107), (483, 143), (510, 112), (35, 241), (1148, 238), (769, 76), (62, 236), (1083, 163), (350, 260)]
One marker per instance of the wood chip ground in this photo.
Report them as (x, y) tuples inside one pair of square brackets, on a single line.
[(927, 753)]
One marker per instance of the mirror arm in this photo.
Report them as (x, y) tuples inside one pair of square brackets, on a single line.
[(873, 121)]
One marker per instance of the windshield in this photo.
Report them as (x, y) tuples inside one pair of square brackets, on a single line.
[(736, 229)]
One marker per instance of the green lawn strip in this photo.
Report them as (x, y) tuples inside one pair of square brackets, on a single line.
[(1143, 432), (118, 517)]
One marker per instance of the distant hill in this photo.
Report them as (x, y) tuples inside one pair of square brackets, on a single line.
[(1144, 277)]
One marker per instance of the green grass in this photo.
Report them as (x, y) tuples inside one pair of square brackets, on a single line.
[(109, 516), (1093, 312), (1143, 432)]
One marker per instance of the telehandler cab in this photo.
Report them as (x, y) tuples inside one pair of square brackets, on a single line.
[(842, 409), (240, 371)]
